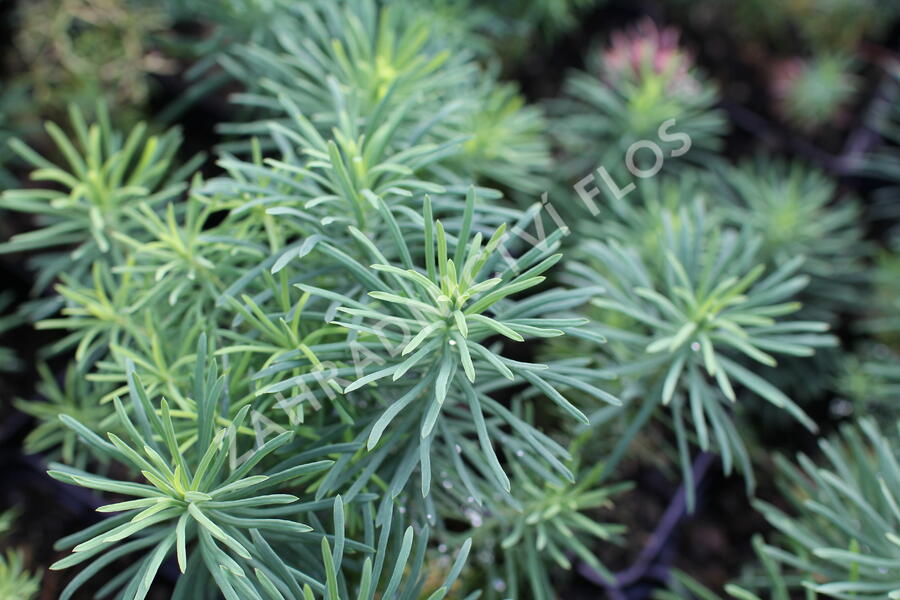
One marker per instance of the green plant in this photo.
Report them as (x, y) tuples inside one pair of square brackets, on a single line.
[(838, 536), (795, 211), (8, 519), (369, 75), (375, 62), (15, 582), (434, 321), (870, 377), (349, 358), (694, 320), (296, 264), (103, 173), (199, 494), (76, 398), (506, 142), (841, 531), (870, 380), (644, 87), (813, 93), (549, 522)]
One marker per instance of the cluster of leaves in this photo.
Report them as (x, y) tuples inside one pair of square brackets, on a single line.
[(843, 535), (815, 92), (360, 62), (198, 497), (294, 374), (15, 581), (836, 534), (690, 314), (871, 376), (797, 211), (838, 538), (643, 88), (361, 296), (82, 208), (550, 522)]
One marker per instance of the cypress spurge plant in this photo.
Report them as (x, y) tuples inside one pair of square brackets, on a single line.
[(842, 531), (837, 537), (226, 516), (76, 397), (795, 210), (377, 54), (97, 314), (326, 348), (552, 525), (870, 380), (193, 496), (16, 583), (434, 323), (338, 175), (506, 142), (448, 303), (101, 173), (694, 324), (266, 281), (382, 71), (644, 86), (814, 92)]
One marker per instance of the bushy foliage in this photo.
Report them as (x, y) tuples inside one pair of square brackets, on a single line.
[(103, 174), (690, 313), (843, 536), (360, 334), (816, 92), (16, 583), (838, 537), (359, 354), (644, 86), (797, 211)]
